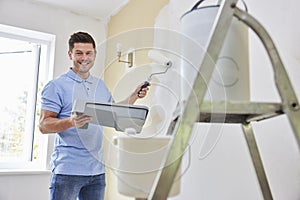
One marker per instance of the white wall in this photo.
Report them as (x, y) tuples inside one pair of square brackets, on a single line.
[(220, 166), (227, 172), (25, 185), (275, 138), (24, 14)]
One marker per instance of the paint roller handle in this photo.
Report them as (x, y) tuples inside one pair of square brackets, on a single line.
[(146, 84), (195, 7)]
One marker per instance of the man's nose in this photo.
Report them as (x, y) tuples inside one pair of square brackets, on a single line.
[(85, 56)]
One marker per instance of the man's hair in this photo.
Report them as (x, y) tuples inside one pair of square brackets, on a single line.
[(80, 37)]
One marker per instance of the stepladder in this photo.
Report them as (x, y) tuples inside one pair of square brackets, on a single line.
[(243, 113)]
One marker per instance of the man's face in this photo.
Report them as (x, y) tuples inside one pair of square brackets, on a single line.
[(83, 56)]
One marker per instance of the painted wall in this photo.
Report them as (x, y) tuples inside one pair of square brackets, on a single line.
[(226, 173), (24, 14), (211, 165), (219, 162), (24, 185), (133, 28), (275, 138), (220, 166)]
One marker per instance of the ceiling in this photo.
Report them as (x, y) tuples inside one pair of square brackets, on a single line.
[(99, 9)]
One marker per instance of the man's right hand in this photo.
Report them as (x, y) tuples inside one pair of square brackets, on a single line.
[(79, 120)]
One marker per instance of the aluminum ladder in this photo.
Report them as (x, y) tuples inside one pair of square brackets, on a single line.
[(228, 112)]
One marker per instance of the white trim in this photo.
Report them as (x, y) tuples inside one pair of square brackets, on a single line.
[(47, 40), (23, 172), (33, 36)]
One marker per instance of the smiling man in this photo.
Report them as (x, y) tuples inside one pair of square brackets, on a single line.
[(77, 160)]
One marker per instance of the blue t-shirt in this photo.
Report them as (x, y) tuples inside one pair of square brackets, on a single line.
[(76, 151)]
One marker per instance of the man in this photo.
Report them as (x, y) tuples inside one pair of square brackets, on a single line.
[(77, 166)]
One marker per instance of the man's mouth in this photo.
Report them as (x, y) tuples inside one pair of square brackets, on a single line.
[(84, 63)]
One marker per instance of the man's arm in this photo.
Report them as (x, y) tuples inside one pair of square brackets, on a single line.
[(49, 123)]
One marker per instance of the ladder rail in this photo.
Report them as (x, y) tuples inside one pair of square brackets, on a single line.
[(290, 105), (257, 161), (284, 86), (165, 178)]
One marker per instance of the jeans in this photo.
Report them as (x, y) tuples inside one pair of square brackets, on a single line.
[(69, 187)]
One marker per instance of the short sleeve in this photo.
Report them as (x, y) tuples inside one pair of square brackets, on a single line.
[(51, 98)]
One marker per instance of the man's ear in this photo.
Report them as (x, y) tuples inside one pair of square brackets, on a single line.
[(70, 55)]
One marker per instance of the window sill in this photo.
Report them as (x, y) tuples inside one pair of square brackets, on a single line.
[(9, 172)]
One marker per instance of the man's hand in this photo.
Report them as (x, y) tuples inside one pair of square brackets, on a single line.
[(139, 92), (49, 123), (142, 89), (79, 120)]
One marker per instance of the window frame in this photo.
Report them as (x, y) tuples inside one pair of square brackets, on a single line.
[(48, 40)]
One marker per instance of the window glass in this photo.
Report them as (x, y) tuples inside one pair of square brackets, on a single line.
[(24, 67)]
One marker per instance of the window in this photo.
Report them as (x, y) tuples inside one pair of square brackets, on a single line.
[(26, 58)]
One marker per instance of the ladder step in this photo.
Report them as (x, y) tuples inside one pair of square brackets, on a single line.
[(237, 112)]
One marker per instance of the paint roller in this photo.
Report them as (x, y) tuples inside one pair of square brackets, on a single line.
[(157, 57)]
